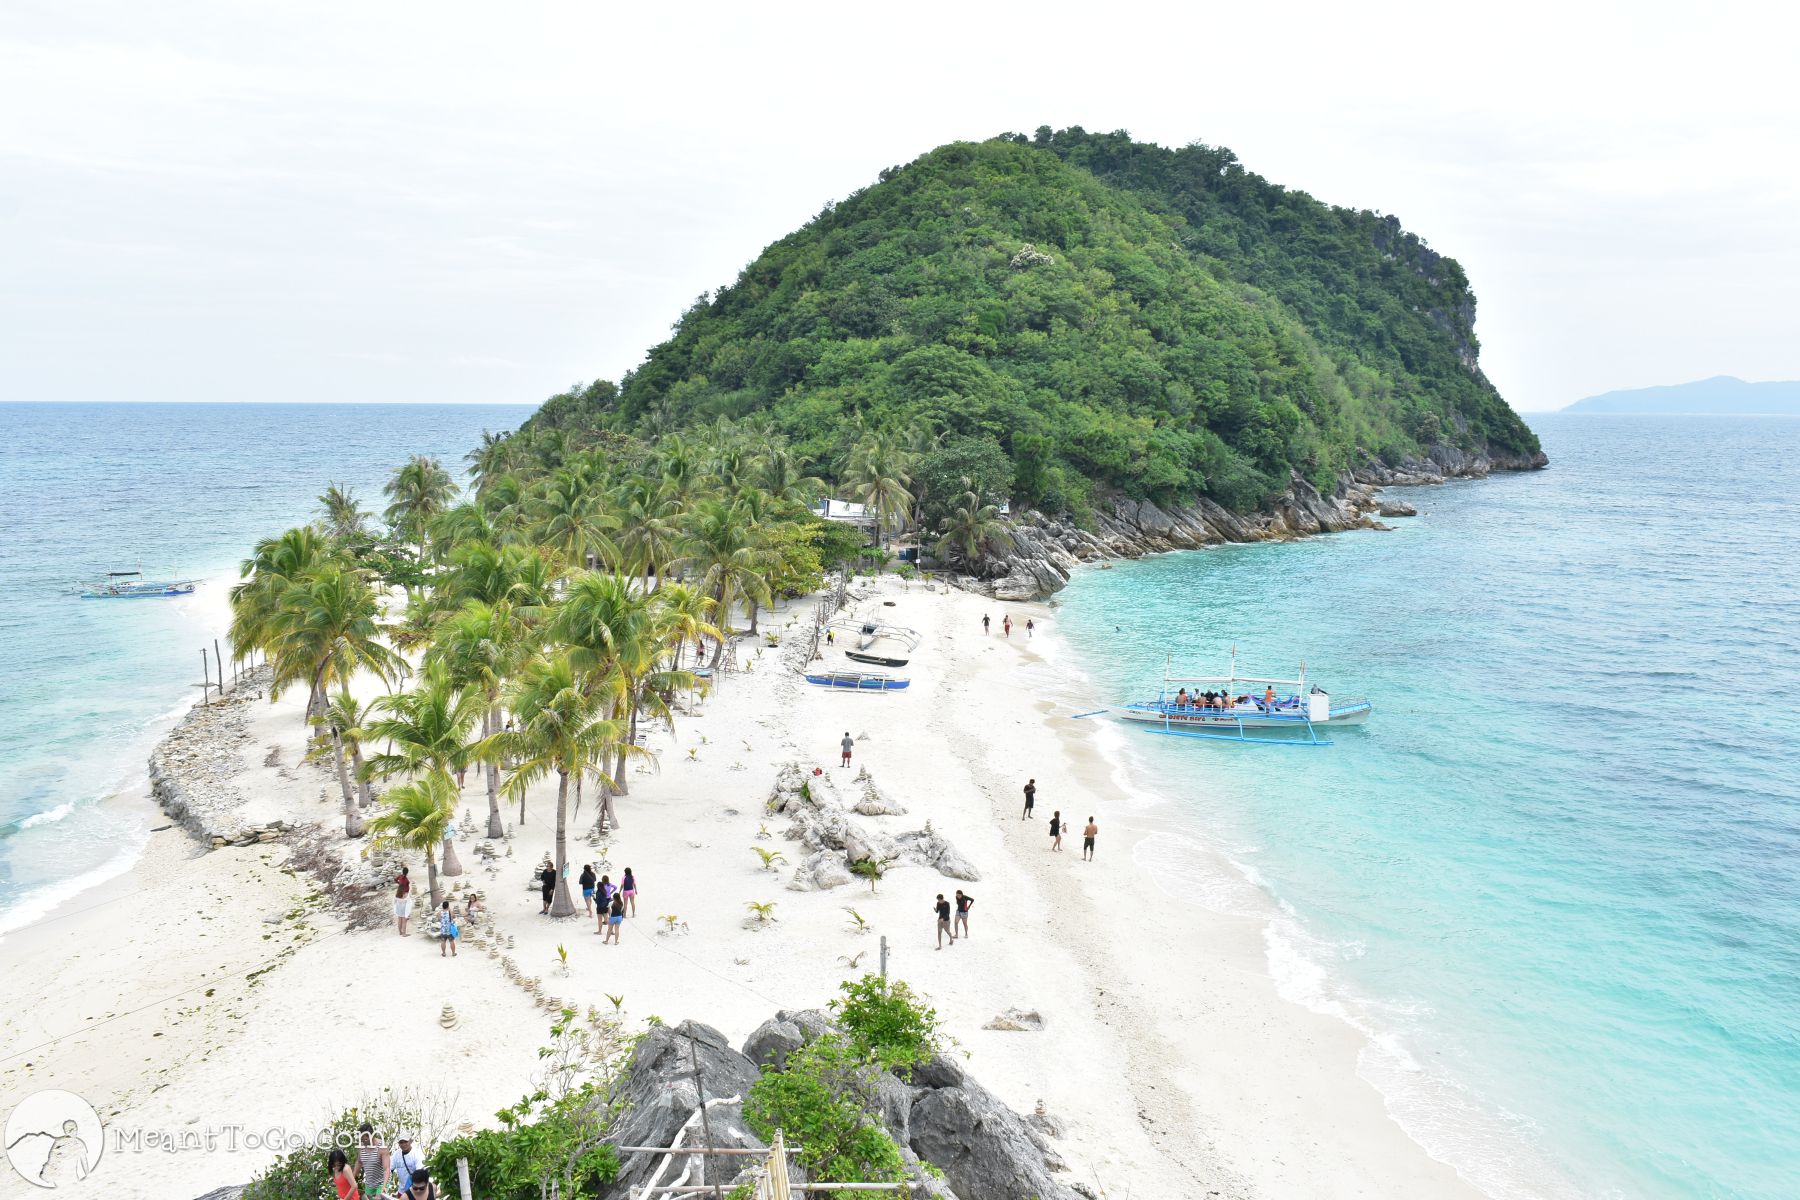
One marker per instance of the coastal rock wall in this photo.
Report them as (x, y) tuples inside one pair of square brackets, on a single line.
[(1047, 549), (192, 770)]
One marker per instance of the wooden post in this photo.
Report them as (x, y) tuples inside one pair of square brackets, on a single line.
[(884, 956), (705, 1121), (462, 1179), (220, 659), (205, 675)]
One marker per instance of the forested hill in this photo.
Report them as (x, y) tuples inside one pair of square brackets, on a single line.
[(1113, 315)]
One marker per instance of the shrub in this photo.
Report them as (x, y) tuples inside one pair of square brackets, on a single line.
[(300, 1174), (887, 1022), (821, 1103)]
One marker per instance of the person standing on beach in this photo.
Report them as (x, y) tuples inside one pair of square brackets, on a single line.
[(964, 902), (602, 902), (587, 888), (1006, 625), (402, 899), (1030, 798), (615, 917), (405, 1162), (942, 908), (1056, 830), (1029, 626), (628, 886), (447, 932), (847, 745), (1088, 834), (984, 624), (547, 885)]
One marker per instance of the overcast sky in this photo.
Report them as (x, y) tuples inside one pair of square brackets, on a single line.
[(487, 202)]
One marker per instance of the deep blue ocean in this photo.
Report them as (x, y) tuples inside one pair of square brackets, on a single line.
[(1557, 877), (182, 490)]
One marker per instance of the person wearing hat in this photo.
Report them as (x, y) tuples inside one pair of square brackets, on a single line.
[(406, 1162)]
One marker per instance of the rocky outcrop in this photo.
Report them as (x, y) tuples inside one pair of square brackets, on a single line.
[(659, 1096), (1045, 549), (834, 839)]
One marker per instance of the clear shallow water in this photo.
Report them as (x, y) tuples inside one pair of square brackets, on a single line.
[(1558, 876), (86, 686)]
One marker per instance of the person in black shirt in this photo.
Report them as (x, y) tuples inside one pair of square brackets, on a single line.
[(1056, 824), (1030, 798), (547, 883), (942, 908), (964, 902)]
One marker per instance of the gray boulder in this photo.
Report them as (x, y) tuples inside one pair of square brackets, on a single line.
[(983, 1148), (659, 1095), (782, 1034)]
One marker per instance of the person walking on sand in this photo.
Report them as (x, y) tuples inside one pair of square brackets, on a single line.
[(602, 902), (547, 885), (964, 902), (615, 917), (1088, 833), (628, 886), (984, 624), (942, 908), (341, 1176), (1056, 830), (1029, 626), (402, 899), (1030, 798), (447, 932), (1006, 625), (587, 888), (405, 1162), (847, 745)]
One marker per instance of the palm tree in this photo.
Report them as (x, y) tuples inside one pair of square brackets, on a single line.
[(970, 529), (481, 645), (649, 527), (418, 817), (722, 548), (568, 517), (879, 473), (274, 566), (429, 731), (562, 731), (495, 456), (343, 718), (682, 612), (345, 519), (329, 627), (419, 491)]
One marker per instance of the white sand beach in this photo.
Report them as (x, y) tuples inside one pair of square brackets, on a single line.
[(203, 988)]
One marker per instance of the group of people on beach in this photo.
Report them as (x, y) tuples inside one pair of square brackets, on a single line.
[(608, 902), (449, 924), (378, 1165), (1058, 826), (952, 921), (1006, 625)]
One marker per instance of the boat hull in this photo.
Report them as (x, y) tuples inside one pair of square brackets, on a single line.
[(874, 660), (1175, 719), (858, 683)]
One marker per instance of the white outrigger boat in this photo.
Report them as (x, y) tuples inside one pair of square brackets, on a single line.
[(878, 644), (1232, 707), (131, 585)]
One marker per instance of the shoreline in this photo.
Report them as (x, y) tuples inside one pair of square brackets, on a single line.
[(1219, 1083)]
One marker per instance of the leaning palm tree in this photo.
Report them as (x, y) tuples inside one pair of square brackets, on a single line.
[(274, 566), (342, 719), (481, 645), (418, 817), (429, 730), (970, 531), (561, 731), (419, 491), (345, 519), (327, 629)]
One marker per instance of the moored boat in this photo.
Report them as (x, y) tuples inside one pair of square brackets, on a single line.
[(857, 681), (1232, 707), (131, 585)]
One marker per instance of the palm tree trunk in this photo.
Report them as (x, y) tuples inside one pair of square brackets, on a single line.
[(753, 613), (452, 864), (365, 793), (431, 876), (490, 724), (562, 905), (353, 822)]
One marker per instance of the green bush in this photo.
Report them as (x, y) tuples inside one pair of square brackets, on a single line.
[(300, 1174), (887, 1022), (822, 1103)]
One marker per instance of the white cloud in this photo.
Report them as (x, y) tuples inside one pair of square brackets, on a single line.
[(341, 201)]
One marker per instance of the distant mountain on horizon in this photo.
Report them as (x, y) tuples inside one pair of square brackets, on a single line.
[(1720, 396)]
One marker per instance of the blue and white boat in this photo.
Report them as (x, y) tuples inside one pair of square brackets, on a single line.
[(857, 681), (1234, 707), (131, 585)]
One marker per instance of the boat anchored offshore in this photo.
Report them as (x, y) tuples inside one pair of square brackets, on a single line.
[(857, 681), (1233, 707), (131, 585)]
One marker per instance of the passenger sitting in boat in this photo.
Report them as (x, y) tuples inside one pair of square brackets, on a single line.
[(1181, 698), (1207, 700)]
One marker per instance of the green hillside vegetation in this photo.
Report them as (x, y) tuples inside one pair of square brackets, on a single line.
[(1092, 313)]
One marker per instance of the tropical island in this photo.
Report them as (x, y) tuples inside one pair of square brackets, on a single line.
[(1720, 396), (1034, 349)]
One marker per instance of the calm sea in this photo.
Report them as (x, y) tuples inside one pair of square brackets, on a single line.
[(1557, 879), (182, 490)]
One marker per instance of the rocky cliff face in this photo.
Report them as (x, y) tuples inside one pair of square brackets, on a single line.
[(1046, 549)]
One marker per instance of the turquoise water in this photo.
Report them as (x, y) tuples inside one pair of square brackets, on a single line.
[(1558, 876), (184, 490)]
